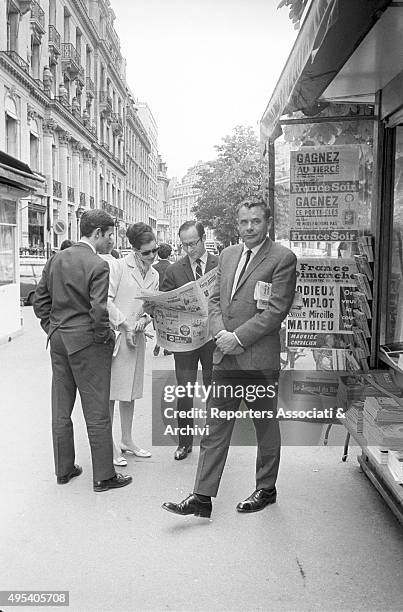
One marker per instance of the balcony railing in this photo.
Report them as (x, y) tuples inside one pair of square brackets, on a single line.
[(37, 15), (39, 84), (82, 199), (69, 53), (18, 60), (105, 145), (70, 194), (71, 60), (54, 37), (92, 202), (57, 189)]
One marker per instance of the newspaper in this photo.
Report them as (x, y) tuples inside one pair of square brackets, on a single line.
[(181, 315)]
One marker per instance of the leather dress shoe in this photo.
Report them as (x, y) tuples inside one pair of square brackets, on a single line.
[(166, 352), (76, 471), (156, 351), (258, 500), (191, 505), (182, 452), (117, 481)]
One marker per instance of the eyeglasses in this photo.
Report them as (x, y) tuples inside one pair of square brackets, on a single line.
[(153, 251), (190, 245)]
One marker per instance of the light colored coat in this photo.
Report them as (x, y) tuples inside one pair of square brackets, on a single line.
[(128, 364)]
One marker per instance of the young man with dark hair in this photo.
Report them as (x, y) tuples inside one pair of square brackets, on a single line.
[(191, 267), (71, 303), (164, 251)]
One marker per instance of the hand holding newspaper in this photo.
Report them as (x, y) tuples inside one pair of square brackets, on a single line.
[(181, 315)]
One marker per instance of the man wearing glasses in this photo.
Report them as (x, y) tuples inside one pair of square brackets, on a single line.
[(195, 264)]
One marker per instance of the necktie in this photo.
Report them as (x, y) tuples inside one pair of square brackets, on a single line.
[(198, 271), (247, 258)]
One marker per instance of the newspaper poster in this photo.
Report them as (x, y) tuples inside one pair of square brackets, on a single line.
[(326, 318), (324, 190), (180, 315)]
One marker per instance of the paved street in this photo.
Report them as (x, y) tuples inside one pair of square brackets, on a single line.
[(330, 543)]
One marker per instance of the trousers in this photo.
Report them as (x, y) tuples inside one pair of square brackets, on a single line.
[(89, 371), (186, 365), (239, 384)]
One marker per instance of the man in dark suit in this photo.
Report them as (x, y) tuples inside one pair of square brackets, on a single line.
[(164, 251), (71, 303), (247, 356), (191, 267)]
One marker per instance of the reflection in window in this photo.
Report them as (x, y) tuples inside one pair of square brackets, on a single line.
[(394, 330), (7, 242)]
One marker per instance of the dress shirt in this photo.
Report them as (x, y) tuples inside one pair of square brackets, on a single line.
[(88, 243), (203, 264), (254, 251)]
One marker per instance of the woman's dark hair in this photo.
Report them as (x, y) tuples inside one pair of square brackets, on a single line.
[(139, 234), (92, 219)]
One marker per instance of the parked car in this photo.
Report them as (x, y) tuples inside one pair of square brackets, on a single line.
[(30, 274)]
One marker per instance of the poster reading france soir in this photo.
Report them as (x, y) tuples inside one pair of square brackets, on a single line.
[(324, 189)]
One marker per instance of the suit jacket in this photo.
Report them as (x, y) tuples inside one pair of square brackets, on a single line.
[(72, 297), (257, 330), (161, 267), (181, 272)]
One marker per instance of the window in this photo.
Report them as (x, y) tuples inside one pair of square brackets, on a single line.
[(34, 152), (11, 136), (394, 322), (8, 221)]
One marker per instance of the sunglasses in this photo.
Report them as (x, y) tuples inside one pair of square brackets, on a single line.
[(153, 251)]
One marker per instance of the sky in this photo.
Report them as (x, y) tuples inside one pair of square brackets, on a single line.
[(203, 67)]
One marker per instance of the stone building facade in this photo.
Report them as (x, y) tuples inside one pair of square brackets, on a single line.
[(66, 110)]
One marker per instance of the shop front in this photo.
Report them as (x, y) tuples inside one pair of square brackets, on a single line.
[(16, 182), (332, 134)]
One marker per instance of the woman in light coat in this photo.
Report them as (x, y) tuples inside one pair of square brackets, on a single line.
[(127, 315)]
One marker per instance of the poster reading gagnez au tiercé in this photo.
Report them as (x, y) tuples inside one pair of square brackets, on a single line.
[(324, 189)]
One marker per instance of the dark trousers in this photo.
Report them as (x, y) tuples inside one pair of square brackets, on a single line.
[(214, 447), (186, 365), (89, 371)]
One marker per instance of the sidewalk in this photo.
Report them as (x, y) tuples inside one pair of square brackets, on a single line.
[(330, 543)]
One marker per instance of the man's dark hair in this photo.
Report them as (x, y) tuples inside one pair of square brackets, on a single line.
[(91, 219), (139, 234), (255, 201), (66, 244), (164, 250), (189, 224)]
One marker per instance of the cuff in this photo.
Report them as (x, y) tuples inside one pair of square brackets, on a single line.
[(238, 340)]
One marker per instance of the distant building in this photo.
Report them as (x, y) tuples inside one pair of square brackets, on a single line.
[(182, 197), (163, 208), (150, 125), (67, 112)]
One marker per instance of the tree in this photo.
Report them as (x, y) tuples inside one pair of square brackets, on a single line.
[(226, 181), (297, 8)]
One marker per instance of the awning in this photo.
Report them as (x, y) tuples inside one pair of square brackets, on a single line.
[(329, 35)]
